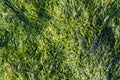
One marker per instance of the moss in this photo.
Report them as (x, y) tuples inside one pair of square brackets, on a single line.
[(59, 40)]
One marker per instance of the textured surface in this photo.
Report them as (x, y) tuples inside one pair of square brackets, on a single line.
[(59, 40)]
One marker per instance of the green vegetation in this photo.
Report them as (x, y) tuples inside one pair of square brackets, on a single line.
[(59, 39)]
